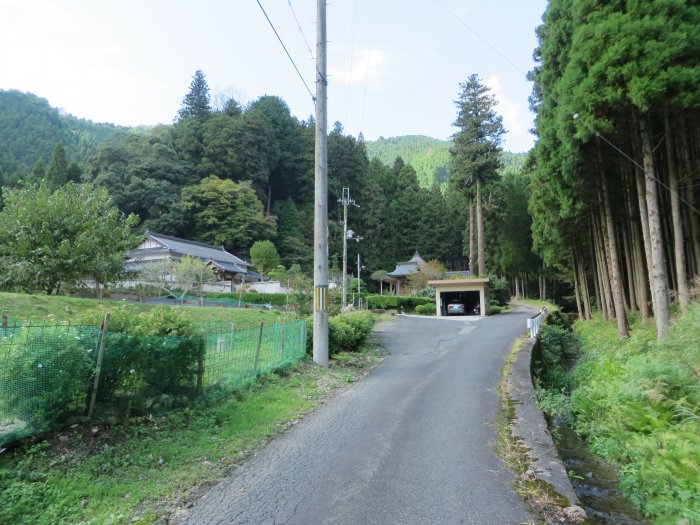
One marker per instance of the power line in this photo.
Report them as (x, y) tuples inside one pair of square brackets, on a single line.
[(477, 35), (352, 53), (633, 161), (285, 50), (303, 36), (369, 56), (576, 116)]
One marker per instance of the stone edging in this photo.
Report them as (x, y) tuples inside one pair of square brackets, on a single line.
[(530, 426)]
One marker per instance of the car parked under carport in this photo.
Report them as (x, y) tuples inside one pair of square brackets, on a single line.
[(473, 293)]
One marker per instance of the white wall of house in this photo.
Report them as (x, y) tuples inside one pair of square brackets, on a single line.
[(266, 287)]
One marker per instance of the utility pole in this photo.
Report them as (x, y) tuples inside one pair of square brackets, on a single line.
[(320, 349), (359, 280), (345, 201)]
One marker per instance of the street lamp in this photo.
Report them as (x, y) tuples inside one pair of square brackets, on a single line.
[(345, 201), (359, 280)]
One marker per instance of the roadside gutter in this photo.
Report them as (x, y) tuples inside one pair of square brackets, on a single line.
[(530, 427)]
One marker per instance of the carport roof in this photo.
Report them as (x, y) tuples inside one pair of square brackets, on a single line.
[(452, 282)]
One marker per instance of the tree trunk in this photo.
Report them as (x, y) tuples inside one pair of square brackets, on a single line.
[(471, 237), (480, 229), (691, 200), (678, 240), (543, 283), (577, 285), (269, 198), (604, 301), (596, 276), (657, 269), (629, 266), (586, 297), (636, 252), (616, 274)]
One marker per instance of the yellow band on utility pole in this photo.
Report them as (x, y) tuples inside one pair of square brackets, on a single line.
[(321, 298)]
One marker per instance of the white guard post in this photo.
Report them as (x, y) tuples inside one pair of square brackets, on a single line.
[(534, 323)]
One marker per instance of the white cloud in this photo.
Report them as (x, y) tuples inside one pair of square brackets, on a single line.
[(366, 63), (516, 117)]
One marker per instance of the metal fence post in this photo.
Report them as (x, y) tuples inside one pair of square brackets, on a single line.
[(283, 333), (257, 350), (98, 369), (200, 364)]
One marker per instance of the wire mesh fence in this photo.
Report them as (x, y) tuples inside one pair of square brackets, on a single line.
[(53, 375), (235, 355), (225, 302)]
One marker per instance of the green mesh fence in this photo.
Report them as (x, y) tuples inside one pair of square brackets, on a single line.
[(48, 374), (222, 301), (44, 372), (233, 356)]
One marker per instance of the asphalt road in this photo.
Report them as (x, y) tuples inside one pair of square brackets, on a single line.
[(410, 444)]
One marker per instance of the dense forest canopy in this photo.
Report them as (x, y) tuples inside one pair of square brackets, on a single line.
[(30, 129), (231, 175), (614, 172)]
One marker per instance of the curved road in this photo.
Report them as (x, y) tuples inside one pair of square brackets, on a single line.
[(410, 444)]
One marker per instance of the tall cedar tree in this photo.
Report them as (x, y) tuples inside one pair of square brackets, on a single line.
[(196, 103), (477, 148), (627, 71)]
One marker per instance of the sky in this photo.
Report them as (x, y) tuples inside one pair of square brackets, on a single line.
[(394, 65)]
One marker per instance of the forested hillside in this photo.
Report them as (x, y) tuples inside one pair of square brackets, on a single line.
[(30, 129), (429, 157), (238, 174)]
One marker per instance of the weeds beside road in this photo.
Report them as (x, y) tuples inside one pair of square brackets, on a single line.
[(148, 469)]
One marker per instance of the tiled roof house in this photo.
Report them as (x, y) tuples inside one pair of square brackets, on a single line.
[(157, 247)]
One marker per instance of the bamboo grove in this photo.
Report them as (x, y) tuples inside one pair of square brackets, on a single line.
[(615, 168)]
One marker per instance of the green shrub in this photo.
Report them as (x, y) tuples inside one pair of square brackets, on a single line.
[(555, 349), (499, 290), (397, 302), (495, 309), (426, 309), (147, 353), (46, 374), (637, 401), (346, 332), (277, 299), (427, 291), (384, 302)]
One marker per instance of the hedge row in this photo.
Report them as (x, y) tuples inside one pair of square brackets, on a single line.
[(346, 332), (426, 309), (397, 302), (277, 299)]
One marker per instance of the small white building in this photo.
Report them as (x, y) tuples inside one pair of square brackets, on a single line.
[(473, 293)]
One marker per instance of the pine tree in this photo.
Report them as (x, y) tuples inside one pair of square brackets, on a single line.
[(477, 147), (196, 103), (57, 172)]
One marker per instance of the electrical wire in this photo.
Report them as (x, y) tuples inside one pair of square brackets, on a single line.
[(369, 56), (303, 36), (349, 79), (575, 116), (313, 97)]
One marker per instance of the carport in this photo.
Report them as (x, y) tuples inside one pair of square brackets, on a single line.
[(471, 292)]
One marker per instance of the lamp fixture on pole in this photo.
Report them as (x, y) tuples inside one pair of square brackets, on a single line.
[(345, 201)]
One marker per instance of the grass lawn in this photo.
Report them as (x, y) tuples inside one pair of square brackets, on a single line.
[(25, 307), (144, 471)]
